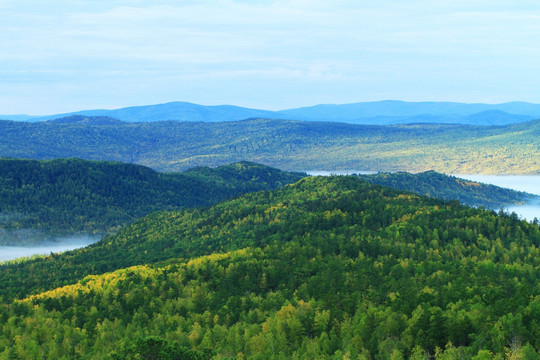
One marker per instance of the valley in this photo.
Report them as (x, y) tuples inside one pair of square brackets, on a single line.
[(243, 260), (45, 246), (269, 180), (177, 146), (26, 231), (530, 184)]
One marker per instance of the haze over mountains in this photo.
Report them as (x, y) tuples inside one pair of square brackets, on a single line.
[(379, 112)]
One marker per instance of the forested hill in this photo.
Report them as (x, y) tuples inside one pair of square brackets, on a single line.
[(73, 195), (326, 268), (289, 145), (69, 196), (447, 187)]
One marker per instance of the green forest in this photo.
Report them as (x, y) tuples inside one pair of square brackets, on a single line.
[(449, 187), (67, 196), (290, 145), (43, 199), (325, 268)]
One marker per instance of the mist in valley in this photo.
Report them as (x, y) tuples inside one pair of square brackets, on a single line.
[(36, 246), (527, 183), (529, 211)]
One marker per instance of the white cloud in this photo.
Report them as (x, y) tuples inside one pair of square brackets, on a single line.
[(348, 50)]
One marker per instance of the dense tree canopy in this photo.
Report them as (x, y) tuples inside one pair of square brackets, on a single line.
[(72, 195), (326, 268), (290, 145), (447, 187)]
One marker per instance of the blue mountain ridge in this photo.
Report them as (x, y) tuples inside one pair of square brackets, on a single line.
[(386, 112)]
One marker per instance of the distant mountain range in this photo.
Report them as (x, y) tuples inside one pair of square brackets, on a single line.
[(386, 112)]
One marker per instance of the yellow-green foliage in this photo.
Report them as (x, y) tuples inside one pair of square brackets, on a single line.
[(327, 268)]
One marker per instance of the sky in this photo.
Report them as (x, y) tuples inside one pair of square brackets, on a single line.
[(68, 55)]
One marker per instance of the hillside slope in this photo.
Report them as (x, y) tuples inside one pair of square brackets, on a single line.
[(289, 145), (326, 268), (431, 183), (72, 195)]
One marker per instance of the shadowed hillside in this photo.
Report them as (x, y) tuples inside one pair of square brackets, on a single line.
[(79, 196)]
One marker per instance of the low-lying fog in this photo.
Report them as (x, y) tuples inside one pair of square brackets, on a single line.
[(56, 245), (527, 183)]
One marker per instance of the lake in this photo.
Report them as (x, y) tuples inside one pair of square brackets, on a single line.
[(527, 183), (60, 245)]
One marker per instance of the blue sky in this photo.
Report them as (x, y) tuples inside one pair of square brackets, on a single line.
[(60, 56)]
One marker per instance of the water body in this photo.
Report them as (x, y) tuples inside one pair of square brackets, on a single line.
[(527, 183), (59, 245)]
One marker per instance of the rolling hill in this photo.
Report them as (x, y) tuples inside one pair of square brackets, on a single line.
[(431, 183), (326, 268), (67, 196), (40, 200), (290, 145)]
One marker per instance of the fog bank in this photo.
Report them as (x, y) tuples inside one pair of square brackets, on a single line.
[(55, 245)]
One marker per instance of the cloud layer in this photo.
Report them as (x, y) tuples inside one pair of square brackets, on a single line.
[(71, 55)]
